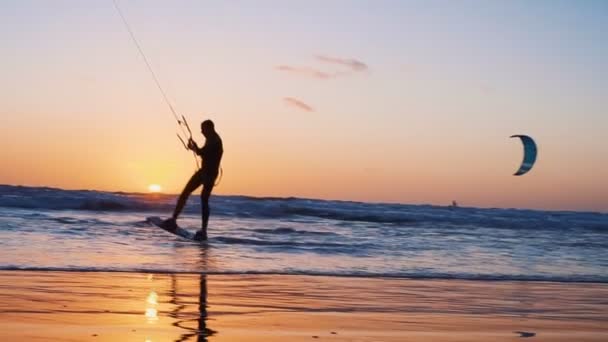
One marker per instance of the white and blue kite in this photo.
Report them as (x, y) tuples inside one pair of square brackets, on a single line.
[(530, 151)]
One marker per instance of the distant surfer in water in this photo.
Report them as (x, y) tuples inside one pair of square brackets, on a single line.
[(211, 154)]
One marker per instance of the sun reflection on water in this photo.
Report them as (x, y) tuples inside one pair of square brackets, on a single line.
[(152, 298), (151, 314), (151, 303)]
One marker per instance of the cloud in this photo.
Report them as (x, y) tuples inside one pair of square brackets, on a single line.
[(298, 104), (353, 64), (306, 71)]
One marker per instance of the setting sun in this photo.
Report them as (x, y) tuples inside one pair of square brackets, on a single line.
[(154, 188)]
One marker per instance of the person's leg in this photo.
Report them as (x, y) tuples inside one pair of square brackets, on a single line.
[(193, 184), (205, 194)]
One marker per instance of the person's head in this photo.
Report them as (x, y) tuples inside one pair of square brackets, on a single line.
[(207, 128)]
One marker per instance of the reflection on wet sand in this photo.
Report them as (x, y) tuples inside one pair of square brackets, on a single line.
[(113, 307), (183, 319)]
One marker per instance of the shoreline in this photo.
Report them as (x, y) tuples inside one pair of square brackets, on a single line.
[(123, 306), (498, 279)]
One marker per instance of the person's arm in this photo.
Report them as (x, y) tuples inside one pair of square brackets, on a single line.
[(194, 147)]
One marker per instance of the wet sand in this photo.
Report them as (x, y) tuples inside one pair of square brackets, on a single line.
[(96, 306)]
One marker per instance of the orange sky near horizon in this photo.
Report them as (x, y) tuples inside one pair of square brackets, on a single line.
[(425, 120)]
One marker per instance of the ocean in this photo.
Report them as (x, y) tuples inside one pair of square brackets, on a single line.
[(66, 230)]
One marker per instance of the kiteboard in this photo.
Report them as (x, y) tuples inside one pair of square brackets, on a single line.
[(179, 231)]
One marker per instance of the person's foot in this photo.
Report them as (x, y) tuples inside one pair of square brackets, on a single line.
[(169, 224), (200, 236)]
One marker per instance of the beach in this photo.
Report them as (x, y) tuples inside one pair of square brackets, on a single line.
[(86, 266), (125, 306)]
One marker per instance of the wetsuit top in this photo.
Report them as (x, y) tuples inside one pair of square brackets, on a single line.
[(211, 153)]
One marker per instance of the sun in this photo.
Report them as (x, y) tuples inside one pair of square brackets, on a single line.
[(154, 188)]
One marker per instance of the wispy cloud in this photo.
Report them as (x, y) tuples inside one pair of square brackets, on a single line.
[(353, 64), (306, 71), (290, 101)]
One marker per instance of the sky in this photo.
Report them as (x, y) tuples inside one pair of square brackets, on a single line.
[(376, 101)]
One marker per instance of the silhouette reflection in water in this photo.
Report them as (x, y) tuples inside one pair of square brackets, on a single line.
[(181, 301)]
